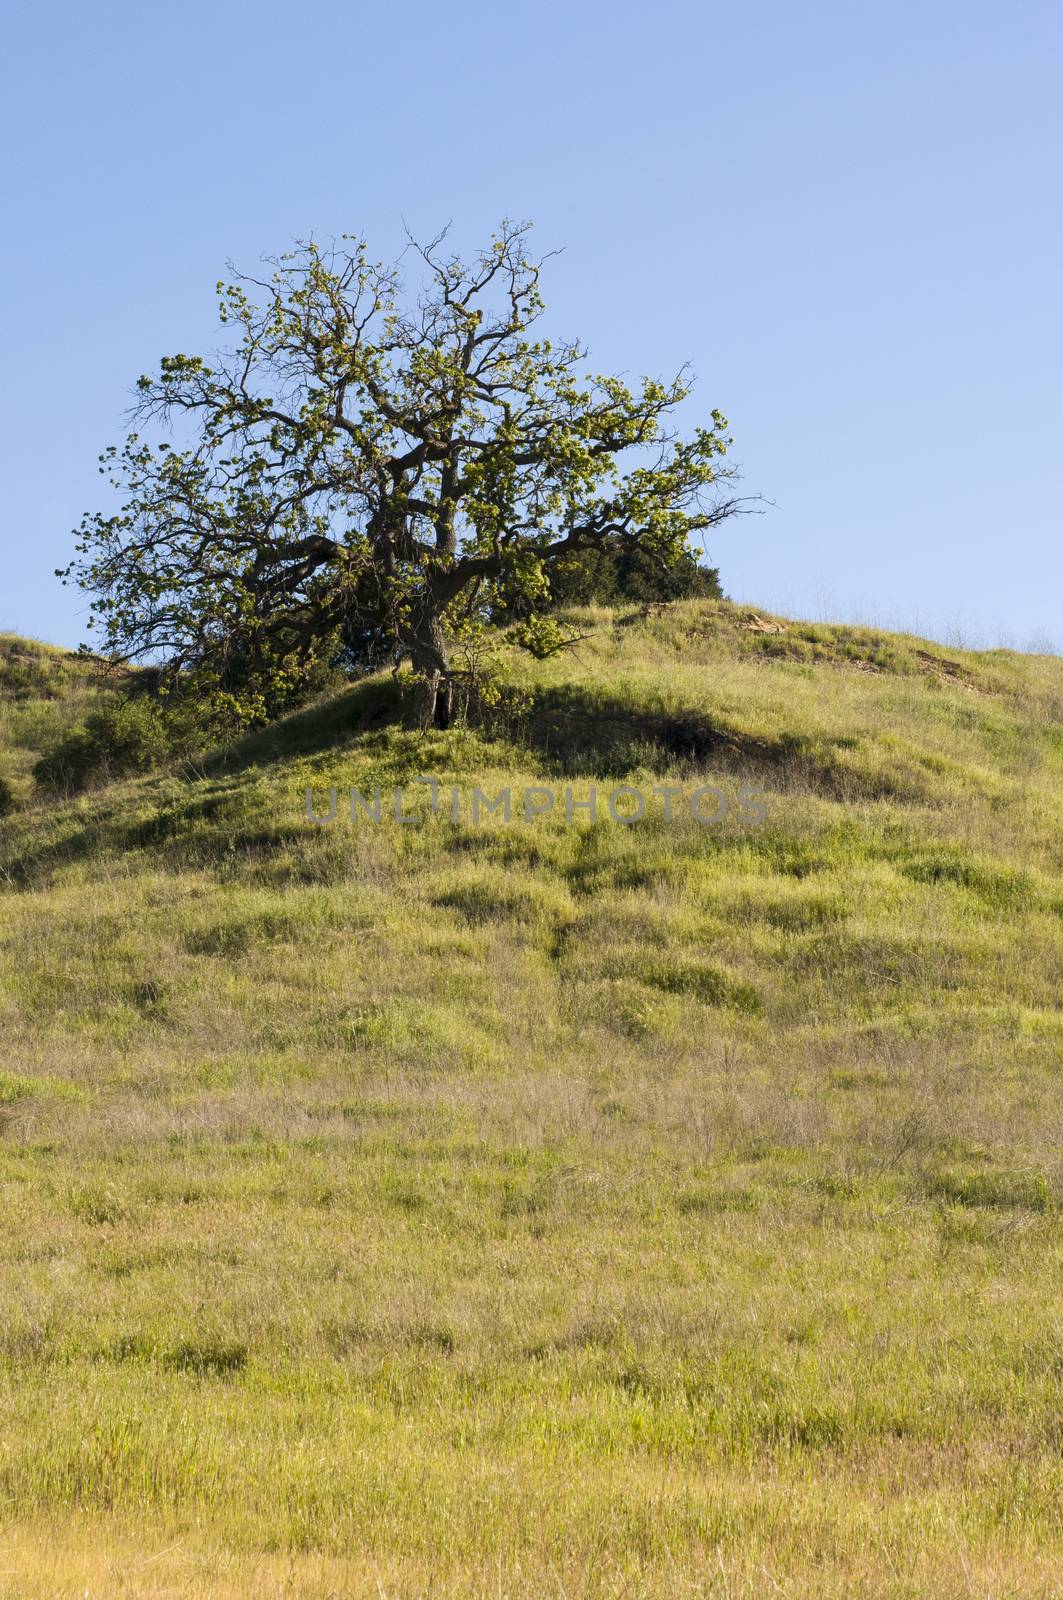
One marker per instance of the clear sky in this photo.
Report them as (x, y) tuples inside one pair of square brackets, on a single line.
[(846, 216)]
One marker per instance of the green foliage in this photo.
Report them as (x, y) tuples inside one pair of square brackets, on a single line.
[(358, 470), (7, 797), (541, 636), (614, 577), (155, 722), (130, 735), (256, 684)]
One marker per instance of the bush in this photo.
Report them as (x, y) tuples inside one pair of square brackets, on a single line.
[(162, 720), (7, 798), (129, 736), (616, 577)]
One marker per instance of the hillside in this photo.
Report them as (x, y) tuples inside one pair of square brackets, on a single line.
[(515, 1209)]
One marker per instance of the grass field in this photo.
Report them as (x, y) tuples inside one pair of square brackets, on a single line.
[(531, 1209)]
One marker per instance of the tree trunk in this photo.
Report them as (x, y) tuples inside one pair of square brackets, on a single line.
[(433, 700)]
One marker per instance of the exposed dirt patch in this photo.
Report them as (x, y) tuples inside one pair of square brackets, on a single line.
[(945, 671), (948, 674)]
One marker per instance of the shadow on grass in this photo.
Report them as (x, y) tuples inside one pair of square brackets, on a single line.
[(576, 733), (326, 725), (214, 815), (571, 731)]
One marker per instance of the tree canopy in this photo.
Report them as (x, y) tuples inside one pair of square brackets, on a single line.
[(362, 463)]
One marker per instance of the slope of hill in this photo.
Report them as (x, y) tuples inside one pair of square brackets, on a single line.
[(485, 1207), (44, 691)]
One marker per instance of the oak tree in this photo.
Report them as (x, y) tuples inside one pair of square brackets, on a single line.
[(361, 463)]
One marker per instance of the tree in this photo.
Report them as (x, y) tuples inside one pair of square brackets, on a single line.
[(357, 466)]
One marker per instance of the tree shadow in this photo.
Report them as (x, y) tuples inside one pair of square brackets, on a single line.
[(326, 725), (576, 732)]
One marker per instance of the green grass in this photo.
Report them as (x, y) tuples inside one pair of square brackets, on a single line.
[(521, 1210), (44, 692)]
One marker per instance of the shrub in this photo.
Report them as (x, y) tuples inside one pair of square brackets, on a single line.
[(131, 735), (7, 798), (610, 577), (613, 577)]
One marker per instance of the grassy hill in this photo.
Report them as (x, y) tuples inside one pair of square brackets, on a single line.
[(43, 693), (523, 1209)]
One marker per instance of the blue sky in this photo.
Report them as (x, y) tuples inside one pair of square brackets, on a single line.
[(846, 217)]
